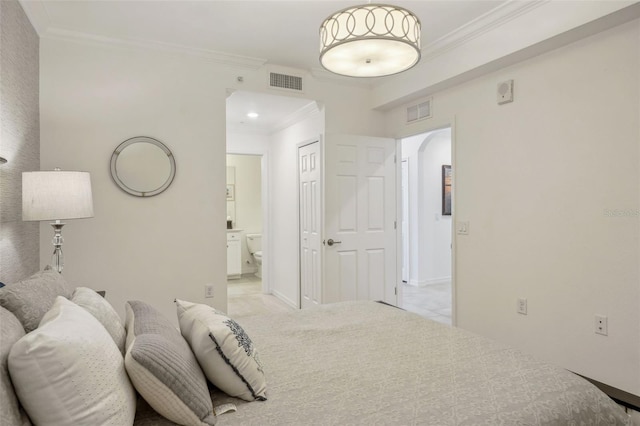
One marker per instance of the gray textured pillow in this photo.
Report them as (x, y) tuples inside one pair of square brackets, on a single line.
[(163, 369), (11, 413), (31, 298), (97, 306)]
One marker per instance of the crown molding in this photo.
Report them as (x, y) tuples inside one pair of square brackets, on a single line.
[(500, 15), (296, 116), (222, 58), (37, 14), (489, 21)]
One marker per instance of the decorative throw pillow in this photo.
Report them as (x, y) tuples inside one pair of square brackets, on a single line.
[(102, 310), (80, 377), (225, 352), (31, 298), (11, 413), (163, 368)]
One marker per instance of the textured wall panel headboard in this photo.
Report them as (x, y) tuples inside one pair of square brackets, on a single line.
[(19, 139)]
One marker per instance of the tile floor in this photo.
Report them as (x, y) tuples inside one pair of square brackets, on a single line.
[(432, 301), (245, 298)]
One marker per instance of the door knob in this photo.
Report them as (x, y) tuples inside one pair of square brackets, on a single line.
[(331, 242)]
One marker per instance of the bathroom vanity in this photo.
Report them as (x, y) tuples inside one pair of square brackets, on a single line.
[(234, 253)]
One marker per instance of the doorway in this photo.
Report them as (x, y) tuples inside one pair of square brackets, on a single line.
[(245, 224), (427, 240)]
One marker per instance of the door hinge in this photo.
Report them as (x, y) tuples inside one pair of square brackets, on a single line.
[(395, 159), (396, 290), (395, 224)]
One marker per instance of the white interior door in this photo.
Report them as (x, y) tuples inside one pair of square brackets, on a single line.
[(360, 219), (310, 187)]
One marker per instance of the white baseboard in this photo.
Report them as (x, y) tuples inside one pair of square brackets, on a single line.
[(432, 281), (249, 269), (285, 299)]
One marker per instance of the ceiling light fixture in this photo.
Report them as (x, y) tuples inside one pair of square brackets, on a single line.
[(253, 115), (370, 40)]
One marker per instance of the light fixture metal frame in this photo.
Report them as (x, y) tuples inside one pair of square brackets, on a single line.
[(370, 34)]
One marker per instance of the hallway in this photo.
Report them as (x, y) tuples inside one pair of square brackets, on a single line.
[(432, 301)]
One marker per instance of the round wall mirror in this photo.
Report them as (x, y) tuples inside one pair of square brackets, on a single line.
[(143, 166)]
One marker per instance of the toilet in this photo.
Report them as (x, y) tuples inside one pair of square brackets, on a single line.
[(254, 244)]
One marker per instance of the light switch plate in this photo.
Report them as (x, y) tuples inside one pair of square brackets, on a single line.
[(462, 228)]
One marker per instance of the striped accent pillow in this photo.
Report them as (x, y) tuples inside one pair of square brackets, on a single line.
[(163, 369)]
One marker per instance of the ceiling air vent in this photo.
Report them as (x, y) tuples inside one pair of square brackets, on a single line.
[(419, 112), (284, 81)]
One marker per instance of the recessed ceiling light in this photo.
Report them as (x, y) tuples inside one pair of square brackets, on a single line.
[(253, 115)]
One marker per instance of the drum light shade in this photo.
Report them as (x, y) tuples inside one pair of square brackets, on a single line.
[(371, 40)]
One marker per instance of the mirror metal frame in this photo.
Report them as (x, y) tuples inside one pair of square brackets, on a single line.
[(133, 191)]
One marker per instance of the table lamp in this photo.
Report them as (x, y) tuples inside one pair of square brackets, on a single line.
[(56, 195)]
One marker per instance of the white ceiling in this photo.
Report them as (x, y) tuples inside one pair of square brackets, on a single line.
[(275, 32), (273, 111), (280, 32)]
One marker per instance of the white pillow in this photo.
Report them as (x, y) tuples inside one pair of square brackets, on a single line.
[(223, 349), (102, 310), (80, 380)]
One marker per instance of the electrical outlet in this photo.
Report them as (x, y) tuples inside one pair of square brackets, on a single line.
[(208, 291), (602, 326), (522, 306)]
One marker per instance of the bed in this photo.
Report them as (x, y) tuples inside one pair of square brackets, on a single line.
[(369, 363), (340, 364)]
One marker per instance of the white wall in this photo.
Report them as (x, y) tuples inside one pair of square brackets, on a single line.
[(435, 235), (248, 201), (410, 146), (536, 179), (283, 168), (94, 96), (154, 249), (247, 142)]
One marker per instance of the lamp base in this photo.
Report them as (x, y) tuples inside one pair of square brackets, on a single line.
[(57, 259)]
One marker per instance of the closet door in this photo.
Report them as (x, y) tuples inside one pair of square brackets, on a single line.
[(310, 187)]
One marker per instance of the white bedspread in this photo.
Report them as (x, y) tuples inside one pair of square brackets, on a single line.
[(367, 363)]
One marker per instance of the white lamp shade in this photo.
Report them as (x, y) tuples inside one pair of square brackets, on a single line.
[(53, 195)]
